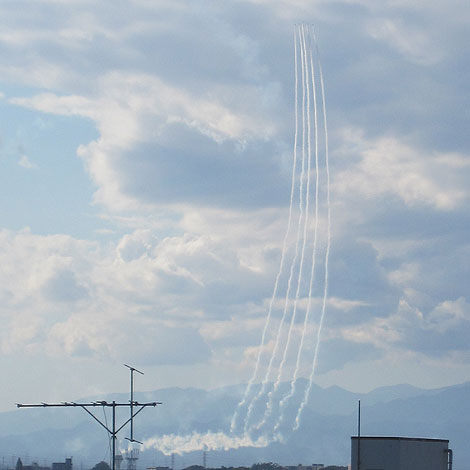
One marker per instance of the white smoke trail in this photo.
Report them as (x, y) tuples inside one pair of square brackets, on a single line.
[(327, 254), (213, 441), (305, 72), (262, 390), (293, 382), (175, 444), (283, 252)]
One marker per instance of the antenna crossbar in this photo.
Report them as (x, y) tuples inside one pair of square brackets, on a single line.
[(91, 404)]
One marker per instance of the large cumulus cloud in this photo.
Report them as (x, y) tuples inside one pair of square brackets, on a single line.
[(193, 105), (146, 297)]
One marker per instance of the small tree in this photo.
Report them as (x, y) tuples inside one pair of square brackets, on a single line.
[(101, 466), (265, 466)]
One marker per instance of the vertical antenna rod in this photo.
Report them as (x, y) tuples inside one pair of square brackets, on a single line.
[(114, 435), (132, 370), (359, 435)]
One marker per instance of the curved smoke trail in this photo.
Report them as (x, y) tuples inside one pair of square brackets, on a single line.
[(291, 272), (269, 407), (173, 443), (327, 254), (283, 252), (293, 382)]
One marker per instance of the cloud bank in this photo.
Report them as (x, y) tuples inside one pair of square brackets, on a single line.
[(189, 168)]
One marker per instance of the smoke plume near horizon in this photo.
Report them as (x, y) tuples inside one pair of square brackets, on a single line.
[(176, 444)]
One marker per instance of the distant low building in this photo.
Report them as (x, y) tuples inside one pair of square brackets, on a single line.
[(400, 453), (35, 466), (314, 466), (67, 465)]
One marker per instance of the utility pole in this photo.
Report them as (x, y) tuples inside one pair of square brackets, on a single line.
[(204, 459), (113, 405)]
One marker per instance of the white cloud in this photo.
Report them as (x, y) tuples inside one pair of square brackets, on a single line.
[(135, 109), (450, 314), (389, 166), (417, 46), (25, 162), (405, 275), (344, 304), (61, 105), (191, 168), (134, 246), (411, 329), (65, 293)]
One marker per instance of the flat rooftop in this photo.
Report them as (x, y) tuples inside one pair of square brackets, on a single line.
[(392, 438)]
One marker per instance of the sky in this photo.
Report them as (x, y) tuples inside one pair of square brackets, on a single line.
[(145, 162)]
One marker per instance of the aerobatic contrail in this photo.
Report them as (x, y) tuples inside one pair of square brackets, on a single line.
[(283, 254), (293, 382), (244, 430), (306, 108), (293, 265), (308, 80), (327, 253)]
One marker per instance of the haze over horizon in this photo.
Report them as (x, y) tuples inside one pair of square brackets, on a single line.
[(145, 159)]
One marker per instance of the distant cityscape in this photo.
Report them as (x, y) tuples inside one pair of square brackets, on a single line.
[(131, 464), (67, 465)]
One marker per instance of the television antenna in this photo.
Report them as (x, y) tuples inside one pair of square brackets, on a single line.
[(132, 370), (113, 431)]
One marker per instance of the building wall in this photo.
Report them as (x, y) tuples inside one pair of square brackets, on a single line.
[(399, 453)]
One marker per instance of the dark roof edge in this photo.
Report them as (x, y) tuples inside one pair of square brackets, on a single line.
[(392, 438)]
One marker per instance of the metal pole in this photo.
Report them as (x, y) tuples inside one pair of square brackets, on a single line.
[(132, 370), (450, 459), (114, 436), (359, 436), (132, 404)]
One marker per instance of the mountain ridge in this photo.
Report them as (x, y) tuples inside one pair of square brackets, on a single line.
[(328, 422)]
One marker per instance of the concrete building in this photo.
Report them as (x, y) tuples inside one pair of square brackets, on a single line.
[(67, 465), (400, 453)]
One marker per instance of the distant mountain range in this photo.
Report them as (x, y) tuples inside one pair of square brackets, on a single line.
[(328, 422)]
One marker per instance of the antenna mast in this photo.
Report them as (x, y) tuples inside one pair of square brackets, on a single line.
[(113, 405), (132, 370)]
